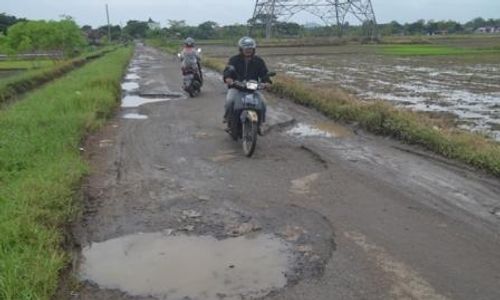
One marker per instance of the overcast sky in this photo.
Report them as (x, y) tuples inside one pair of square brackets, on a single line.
[(92, 12)]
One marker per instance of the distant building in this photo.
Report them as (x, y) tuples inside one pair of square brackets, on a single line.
[(153, 25), (488, 29)]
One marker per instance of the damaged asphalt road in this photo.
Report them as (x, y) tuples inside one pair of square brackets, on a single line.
[(174, 210)]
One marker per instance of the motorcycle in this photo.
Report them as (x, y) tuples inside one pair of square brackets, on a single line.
[(246, 116), (191, 75)]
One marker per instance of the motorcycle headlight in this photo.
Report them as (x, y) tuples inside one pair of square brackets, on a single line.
[(252, 86)]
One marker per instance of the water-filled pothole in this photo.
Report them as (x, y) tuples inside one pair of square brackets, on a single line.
[(305, 130), (130, 86), (132, 76), (136, 101), (161, 95), (134, 116), (189, 267)]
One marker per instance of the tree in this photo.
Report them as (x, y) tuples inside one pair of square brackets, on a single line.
[(206, 30), (136, 29), (38, 36), (6, 21), (288, 28)]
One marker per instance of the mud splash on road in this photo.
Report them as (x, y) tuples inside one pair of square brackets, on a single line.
[(194, 267)]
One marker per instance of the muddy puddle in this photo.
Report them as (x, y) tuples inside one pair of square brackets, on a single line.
[(130, 101), (134, 116), (320, 129), (132, 76), (130, 86), (188, 267)]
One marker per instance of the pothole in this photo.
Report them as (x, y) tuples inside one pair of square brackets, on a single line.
[(130, 86), (161, 95), (320, 129), (302, 185), (333, 129), (189, 267), (136, 101), (305, 130), (496, 212), (132, 76), (134, 116)]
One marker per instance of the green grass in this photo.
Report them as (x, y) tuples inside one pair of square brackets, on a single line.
[(25, 64), (15, 85), (40, 168), (434, 50)]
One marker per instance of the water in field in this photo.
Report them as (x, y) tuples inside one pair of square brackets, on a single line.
[(465, 87), (471, 92)]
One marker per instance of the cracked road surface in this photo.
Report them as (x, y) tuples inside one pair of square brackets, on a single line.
[(173, 209)]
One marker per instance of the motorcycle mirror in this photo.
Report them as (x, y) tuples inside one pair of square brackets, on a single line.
[(178, 55), (271, 74), (198, 50)]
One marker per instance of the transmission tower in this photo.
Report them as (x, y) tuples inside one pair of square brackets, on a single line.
[(331, 12)]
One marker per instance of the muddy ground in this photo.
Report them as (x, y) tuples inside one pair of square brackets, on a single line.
[(465, 87), (174, 210)]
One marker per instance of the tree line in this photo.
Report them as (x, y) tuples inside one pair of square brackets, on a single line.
[(18, 35)]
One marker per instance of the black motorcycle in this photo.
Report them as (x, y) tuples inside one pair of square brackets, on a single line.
[(246, 116)]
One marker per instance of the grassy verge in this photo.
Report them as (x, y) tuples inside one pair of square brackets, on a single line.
[(24, 64), (384, 119), (15, 85), (40, 166)]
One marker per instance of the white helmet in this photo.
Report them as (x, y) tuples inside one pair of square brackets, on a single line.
[(247, 42)]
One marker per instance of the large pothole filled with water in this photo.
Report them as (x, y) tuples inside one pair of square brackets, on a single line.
[(189, 267)]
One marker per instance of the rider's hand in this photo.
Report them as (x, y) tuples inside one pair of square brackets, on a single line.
[(229, 81), (266, 85)]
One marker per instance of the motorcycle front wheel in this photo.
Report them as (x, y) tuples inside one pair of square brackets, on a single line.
[(249, 136)]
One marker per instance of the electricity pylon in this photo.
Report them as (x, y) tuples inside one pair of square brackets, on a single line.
[(331, 12)]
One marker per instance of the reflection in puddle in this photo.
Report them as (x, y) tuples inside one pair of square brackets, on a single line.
[(305, 130), (130, 86), (132, 76), (334, 129), (136, 101), (179, 267), (134, 116)]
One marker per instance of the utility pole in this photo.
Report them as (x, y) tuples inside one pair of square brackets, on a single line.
[(109, 25)]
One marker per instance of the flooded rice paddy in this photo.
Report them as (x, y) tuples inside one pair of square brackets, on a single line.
[(464, 87)]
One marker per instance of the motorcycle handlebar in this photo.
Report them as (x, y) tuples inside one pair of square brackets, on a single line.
[(243, 86)]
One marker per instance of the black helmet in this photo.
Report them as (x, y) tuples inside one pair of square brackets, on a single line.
[(189, 42), (247, 42)]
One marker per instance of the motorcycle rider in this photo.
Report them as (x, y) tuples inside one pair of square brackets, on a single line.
[(244, 66), (190, 58)]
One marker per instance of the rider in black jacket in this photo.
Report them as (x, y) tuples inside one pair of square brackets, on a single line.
[(244, 66)]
